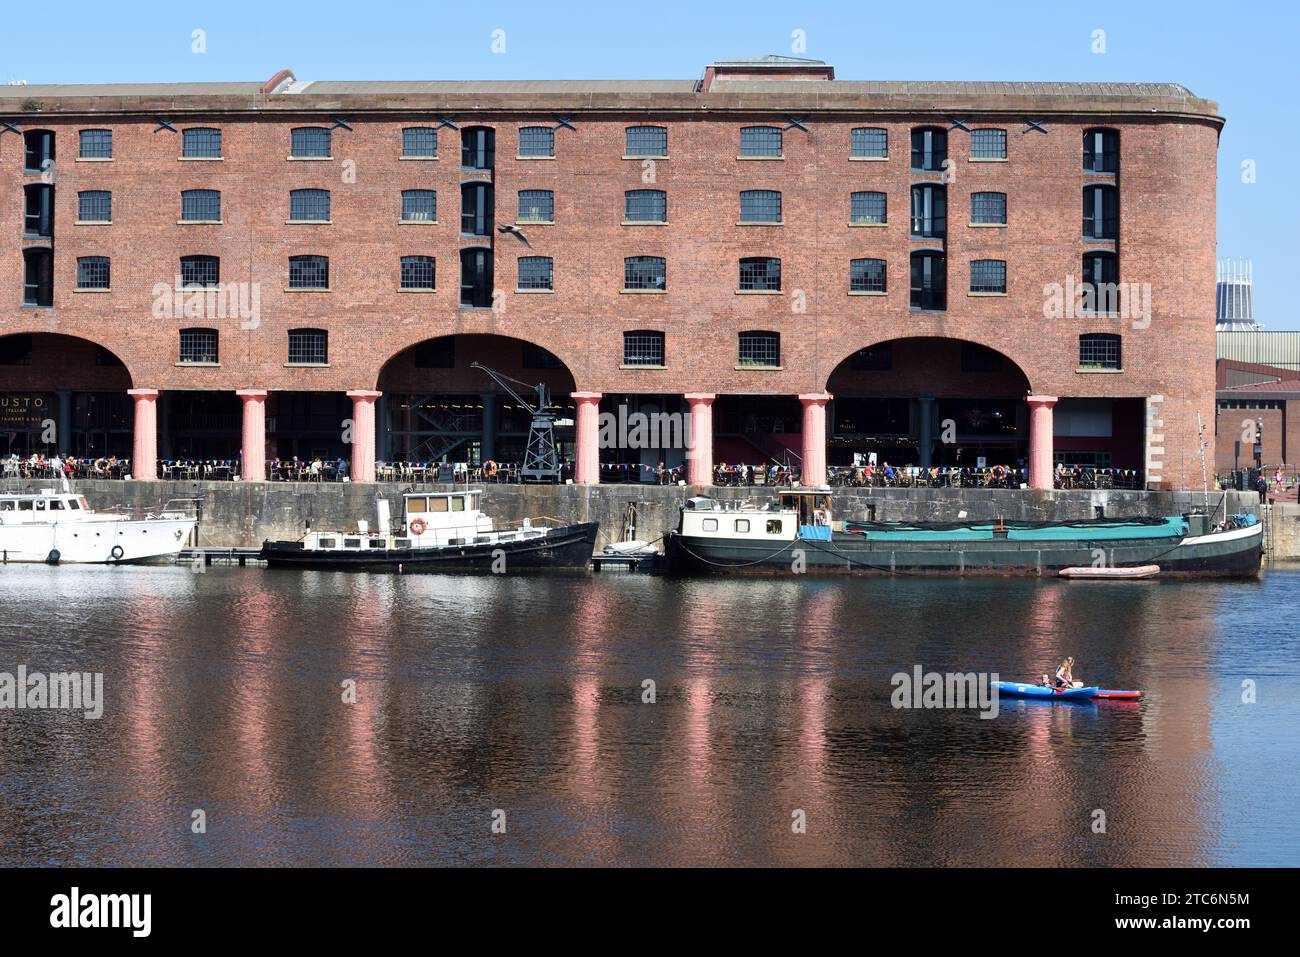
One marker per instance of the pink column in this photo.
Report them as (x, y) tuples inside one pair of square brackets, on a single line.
[(144, 452), (699, 454), (588, 437), (253, 467), (814, 438), (363, 434), (1040, 441)]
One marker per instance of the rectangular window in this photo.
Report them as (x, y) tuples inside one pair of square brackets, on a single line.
[(1100, 151), (988, 209), (760, 206), (201, 206), (418, 272), (537, 141), (647, 141), (742, 526), (929, 150), (870, 143), (308, 347), (760, 274), (420, 142), (988, 276), (1099, 351), (198, 345), (96, 144), (95, 206), (988, 144), (643, 348), (760, 141), (643, 272), (535, 272), (310, 142), (309, 205), (645, 206), (309, 272), (419, 206), (867, 275), (760, 349), (868, 209), (201, 271), (929, 212), (536, 206), (1100, 212), (92, 272), (929, 281), (201, 142)]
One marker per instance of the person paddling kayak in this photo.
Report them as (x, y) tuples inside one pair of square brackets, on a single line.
[(1065, 673)]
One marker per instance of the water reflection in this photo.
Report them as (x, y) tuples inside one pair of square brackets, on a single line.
[(524, 695)]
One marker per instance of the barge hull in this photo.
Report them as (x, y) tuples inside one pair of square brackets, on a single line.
[(563, 549)]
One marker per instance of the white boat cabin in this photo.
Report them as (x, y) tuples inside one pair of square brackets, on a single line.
[(429, 520), (797, 513), (43, 507)]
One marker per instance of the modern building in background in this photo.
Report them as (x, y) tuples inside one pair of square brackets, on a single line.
[(810, 269)]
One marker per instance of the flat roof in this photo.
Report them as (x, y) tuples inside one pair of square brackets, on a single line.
[(747, 92)]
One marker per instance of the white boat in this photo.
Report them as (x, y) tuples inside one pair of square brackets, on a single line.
[(58, 527)]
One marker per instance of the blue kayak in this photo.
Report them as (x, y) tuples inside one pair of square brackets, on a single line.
[(1013, 689)]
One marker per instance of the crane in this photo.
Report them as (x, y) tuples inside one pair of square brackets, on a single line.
[(541, 458)]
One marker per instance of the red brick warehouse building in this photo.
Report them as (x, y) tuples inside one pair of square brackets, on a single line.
[(806, 266)]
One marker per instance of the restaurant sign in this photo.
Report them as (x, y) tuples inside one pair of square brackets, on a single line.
[(25, 410)]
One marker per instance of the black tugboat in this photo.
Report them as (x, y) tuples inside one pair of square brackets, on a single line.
[(440, 532), (797, 531)]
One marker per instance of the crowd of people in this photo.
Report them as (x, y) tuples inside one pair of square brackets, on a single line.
[(39, 466)]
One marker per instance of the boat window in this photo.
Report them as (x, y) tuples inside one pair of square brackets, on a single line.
[(742, 525), (351, 543), (56, 505), (458, 503), (40, 505), (417, 504), (438, 504), (709, 524), (7, 506), (774, 526), (377, 543), (24, 505), (73, 504), (401, 543), (327, 543)]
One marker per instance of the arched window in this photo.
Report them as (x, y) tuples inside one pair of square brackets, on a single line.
[(96, 144), (310, 142), (476, 277), (1100, 286), (760, 141), (988, 209), (1100, 212), (929, 280), (309, 272), (929, 149), (536, 141), (869, 142), (868, 209), (649, 142), (478, 147), (38, 217), (38, 150), (1101, 151), (38, 276), (200, 206), (201, 142), (645, 206), (644, 273), (988, 276), (419, 142), (536, 206), (988, 144), (95, 206), (476, 209), (309, 205), (198, 346), (202, 271), (1099, 350), (929, 211), (643, 347), (760, 206), (419, 206), (760, 274)]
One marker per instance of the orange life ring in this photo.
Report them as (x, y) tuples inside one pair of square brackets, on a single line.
[(999, 471), (489, 468), (418, 526)]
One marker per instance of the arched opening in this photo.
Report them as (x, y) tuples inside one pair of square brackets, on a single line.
[(61, 394), (928, 402), (436, 408)]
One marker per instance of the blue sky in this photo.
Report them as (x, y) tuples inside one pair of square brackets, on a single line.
[(1242, 55)]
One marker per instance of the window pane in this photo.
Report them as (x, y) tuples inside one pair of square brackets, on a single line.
[(760, 141), (535, 272), (646, 206), (92, 272), (201, 205), (537, 141), (418, 272), (760, 274), (198, 345), (200, 271), (760, 206), (868, 208), (308, 345), (929, 149), (643, 348), (647, 141), (96, 206), (929, 212), (867, 275), (96, 144), (309, 272), (1101, 151), (988, 208), (988, 275), (643, 272), (419, 141), (988, 144), (536, 206), (419, 206), (870, 142), (201, 143), (310, 141), (1099, 351), (309, 205), (929, 281), (760, 348)]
